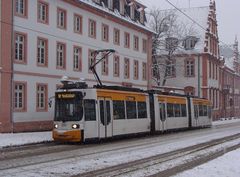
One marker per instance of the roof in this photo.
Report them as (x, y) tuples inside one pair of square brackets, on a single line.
[(229, 62), (192, 27), (116, 13)]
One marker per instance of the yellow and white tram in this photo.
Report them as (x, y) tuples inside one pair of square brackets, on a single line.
[(83, 113)]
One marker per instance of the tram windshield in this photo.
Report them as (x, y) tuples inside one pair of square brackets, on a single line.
[(68, 107)]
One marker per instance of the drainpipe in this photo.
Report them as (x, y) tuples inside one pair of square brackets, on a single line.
[(198, 75), (12, 59)]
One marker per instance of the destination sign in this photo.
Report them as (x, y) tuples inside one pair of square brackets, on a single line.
[(66, 95)]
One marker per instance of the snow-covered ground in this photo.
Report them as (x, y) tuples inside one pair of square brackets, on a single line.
[(14, 139), (224, 166), (69, 166)]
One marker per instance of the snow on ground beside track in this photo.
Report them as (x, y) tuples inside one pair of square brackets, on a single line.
[(15, 139), (80, 164), (226, 165)]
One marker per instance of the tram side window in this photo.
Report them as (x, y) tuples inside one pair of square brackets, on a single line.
[(209, 112), (142, 110), (205, 111), (170, 112), (118, 110), (183, 110), (90, 110), (131, 109), (177, 110), (195, 110), (162, 111), (200, 110)]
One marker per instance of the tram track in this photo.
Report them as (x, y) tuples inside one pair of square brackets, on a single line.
[(31, 155), (31, 150), (130, 167)]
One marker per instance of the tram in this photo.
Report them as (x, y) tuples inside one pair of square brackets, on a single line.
[(83, 113)]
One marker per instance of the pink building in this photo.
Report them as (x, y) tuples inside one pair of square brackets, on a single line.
[(42, 40)]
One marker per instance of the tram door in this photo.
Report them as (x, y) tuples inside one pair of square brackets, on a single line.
[(162, 111), (105, 122)]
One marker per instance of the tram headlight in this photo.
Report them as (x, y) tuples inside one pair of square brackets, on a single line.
[(75, 126), (56, 126)]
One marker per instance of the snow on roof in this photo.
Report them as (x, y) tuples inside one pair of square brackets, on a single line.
[(116, 14)]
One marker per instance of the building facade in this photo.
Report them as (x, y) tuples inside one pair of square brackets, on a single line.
[(230, 85), (43, 40), (196, 69)]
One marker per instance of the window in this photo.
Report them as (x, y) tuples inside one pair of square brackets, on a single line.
[(162, 112), (41, 97), (116, 66), (201, 111), (170, 111), (142, 17), (170, 68), (189, 68), (189, 90), (126, 40), (118, 110), (132, 12), (122, 7), (105, 65), (91, 59), (116, 36), (144, 46), (19, 96), (61, 56), (136, 43), (142, 110), (77, 58), (131, 109), (110, 4), (42, 12), (77, 24), (105, 32), (20, 47), (21, 8), (90, 110), (196, 111), (205, 110), (61, 18), (126, 68), (183, 110), (92, 28), (135, 69), (42, 52), (144, 71), (177, 110)]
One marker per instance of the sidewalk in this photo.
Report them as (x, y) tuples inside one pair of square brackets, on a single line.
[(15, 139)]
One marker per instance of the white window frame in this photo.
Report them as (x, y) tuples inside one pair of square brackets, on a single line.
[(60, 56)]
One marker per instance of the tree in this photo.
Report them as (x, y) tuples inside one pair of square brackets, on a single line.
[(170, 32)]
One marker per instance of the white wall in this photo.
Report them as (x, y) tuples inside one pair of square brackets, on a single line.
[(54, 34)]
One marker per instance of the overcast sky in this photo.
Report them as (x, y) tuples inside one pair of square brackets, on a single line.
[(228, 14)]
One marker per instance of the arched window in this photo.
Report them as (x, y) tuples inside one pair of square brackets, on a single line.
[(189, 90)]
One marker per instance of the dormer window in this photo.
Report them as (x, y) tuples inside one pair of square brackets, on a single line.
[(110, 4), (132, 11), (142, 16), (122, 7)]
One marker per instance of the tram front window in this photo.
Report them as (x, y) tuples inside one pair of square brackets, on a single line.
[(68, 110)]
